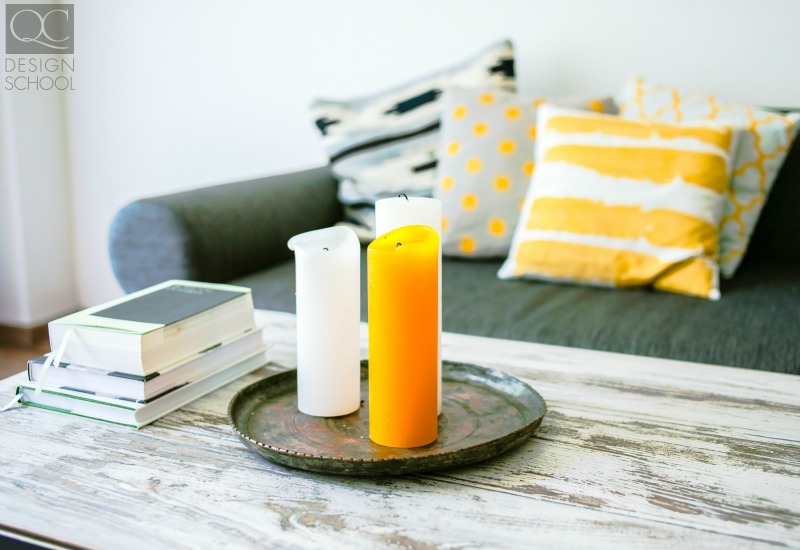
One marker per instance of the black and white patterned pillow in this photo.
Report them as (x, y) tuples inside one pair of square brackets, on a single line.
[(385, 144)]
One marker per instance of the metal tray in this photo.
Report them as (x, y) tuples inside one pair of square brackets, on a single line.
[(485, 412)]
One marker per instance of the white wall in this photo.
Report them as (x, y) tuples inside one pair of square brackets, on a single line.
[(173, 95), (37, 281)]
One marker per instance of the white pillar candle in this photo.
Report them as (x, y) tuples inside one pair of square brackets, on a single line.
[(328, 316), (400, 211)]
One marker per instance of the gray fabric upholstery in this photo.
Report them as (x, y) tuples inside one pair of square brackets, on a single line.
[(755, 324), (215, 234)]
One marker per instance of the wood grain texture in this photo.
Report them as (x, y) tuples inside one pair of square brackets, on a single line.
[(634, 451)]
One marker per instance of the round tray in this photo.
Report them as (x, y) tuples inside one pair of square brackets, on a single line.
[(484, 412)]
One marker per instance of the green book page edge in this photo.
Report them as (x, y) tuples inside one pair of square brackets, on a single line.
[(74, 395)]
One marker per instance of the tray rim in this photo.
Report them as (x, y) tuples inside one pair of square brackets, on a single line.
[(503, 443)]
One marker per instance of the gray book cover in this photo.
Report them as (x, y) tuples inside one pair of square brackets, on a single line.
[(169, 305)]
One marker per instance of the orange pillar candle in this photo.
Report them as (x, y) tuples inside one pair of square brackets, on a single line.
[(403, 304)]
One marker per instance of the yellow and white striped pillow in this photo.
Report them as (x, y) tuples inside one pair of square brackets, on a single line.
[(622, 203)]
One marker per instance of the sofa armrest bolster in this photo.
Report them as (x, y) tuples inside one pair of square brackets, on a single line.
[(219, 233)]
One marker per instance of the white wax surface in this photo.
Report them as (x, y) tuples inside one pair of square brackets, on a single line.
[(328, 316), (400, 211)]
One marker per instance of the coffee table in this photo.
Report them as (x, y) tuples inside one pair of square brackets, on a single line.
[(633, 452)]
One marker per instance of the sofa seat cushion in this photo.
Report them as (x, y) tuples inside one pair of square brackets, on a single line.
[(753, 326)]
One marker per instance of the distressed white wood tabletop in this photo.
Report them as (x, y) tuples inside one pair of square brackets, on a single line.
[(634, 452)]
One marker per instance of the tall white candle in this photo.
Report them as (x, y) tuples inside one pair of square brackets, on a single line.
[(400, 211), (328, 315)]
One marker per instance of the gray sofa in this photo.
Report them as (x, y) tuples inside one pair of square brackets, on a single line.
[(238, 232)]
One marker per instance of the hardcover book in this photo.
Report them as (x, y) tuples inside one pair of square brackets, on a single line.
[(154, 328)]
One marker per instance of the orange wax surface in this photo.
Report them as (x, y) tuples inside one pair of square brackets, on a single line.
[(403, 302)]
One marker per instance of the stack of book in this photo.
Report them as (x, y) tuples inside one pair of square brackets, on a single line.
[(133, 360)]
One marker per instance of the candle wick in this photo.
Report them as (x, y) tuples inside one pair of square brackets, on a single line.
[(403, 195), (325, 249), (398, 246)]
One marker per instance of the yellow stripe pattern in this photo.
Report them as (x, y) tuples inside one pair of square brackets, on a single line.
[(626, 128), (661, 227), (657, 165), (621, 203)]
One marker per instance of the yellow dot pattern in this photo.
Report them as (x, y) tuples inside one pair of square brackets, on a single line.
[(445, 223), (501, 183), (513, 112), (473, 165), (459, 112), (453, 148), (467, 244), (506, 146), (469, 201), (764, 141), (496, 227), (486, 99), (527, 168), (447, 183), (480, 128), (597, 105)]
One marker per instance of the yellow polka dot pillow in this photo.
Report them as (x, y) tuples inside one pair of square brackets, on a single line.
[(623, 203), (485, 164), (764, 138)]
